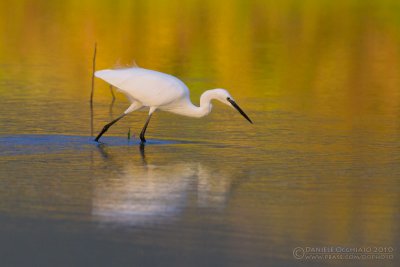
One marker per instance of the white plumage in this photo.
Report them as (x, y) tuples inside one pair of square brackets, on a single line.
[(149, 87), (157, 90)]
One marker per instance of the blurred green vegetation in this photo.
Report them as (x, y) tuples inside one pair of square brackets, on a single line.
[(316, 52)]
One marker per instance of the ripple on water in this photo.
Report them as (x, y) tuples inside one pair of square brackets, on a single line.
[(34, 144)]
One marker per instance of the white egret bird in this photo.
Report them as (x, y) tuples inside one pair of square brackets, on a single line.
[(156, 90)]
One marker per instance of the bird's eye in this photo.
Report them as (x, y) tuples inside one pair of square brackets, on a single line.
[(228, 98)]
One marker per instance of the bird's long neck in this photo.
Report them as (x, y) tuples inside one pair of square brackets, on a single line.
[(195, 111)]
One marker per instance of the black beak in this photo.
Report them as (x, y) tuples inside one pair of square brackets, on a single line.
[(239, 109)]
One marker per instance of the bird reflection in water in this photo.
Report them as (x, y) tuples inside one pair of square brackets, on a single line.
[(143, 193)]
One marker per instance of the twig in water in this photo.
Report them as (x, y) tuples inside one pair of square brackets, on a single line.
[(93, 70), (112, 101), (112, 92), (91, 94)]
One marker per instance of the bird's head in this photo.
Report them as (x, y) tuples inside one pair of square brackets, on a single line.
[(223, 96)]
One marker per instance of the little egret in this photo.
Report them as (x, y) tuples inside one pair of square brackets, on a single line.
[(156, 90)]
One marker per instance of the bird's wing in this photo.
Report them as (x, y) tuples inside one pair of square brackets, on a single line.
[(149, 87), (113, 77)]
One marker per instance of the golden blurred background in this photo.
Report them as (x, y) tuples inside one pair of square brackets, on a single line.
[(322, 52)]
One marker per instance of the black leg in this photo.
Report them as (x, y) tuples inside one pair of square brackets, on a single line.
[(144, 129), (108, 125)]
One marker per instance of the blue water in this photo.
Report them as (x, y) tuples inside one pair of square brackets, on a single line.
[(39, 144)]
